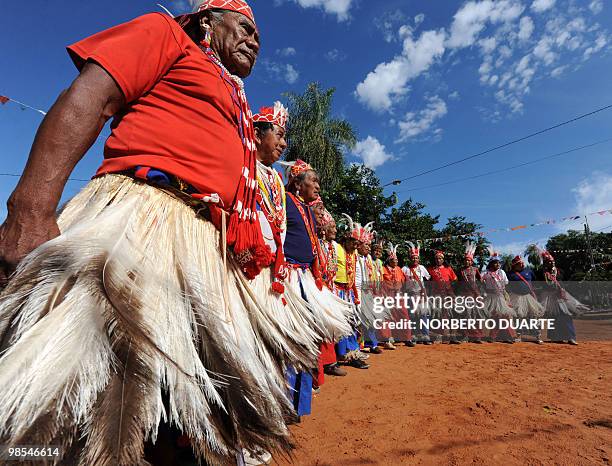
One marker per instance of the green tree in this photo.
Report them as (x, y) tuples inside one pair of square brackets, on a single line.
[(358, 193), (532, 252), (454, 248), (405, 223), (314, 136)]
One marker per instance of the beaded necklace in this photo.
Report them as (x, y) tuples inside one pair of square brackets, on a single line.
[(272, 197)]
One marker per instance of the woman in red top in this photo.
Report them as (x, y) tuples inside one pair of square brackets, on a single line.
[(133, 313), (393, 284)]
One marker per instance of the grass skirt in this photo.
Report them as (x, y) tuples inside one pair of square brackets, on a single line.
[(133, 302), (526, 306), (331, 313), (555, 305), (496, 306)]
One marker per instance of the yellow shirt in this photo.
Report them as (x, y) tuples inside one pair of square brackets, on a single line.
[(341, 273)]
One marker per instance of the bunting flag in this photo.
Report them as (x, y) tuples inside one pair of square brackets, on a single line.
[(4, 99), (482, 234)]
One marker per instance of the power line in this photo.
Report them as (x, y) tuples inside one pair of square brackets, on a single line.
[(494, 172), (501, 146), (19, 176)]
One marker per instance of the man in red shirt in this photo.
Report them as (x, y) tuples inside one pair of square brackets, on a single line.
[(442, 277), (133, 280)]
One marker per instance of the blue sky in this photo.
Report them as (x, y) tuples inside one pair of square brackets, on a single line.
[(424, 83)]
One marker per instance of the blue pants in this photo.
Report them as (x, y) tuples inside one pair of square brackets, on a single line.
[(422, 327), (347, 344), (564, 329), (370, 338), (300, 392)]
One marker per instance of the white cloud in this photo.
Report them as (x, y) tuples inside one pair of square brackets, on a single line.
[(281, 71), (594, 194), (454, 95), (418, 19), (473, 17), (372, 152), (542, 5), (335, 55), (390, 80), (389, 22), (596, 6), (340, 8), (417, 123), (286, 52), (526, 28)]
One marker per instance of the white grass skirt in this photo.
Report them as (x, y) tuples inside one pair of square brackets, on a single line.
[(526, 306), (555, 306), (330, 312), (132, 301), (497, 307)]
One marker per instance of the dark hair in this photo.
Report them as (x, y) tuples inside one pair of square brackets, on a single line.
[(192, 28), (297, 180), (263, 126)]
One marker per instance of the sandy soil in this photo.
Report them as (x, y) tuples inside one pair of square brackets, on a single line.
[(490, 404)]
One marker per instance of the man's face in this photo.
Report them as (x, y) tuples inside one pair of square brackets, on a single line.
[(309, 188), (270, 145), (331, 231), (350, 245), (415, 260), (518, 266), (236, 41), (364, 249), (439, 260), (468, 262), (496, 265), (377, 252), (393, 261)]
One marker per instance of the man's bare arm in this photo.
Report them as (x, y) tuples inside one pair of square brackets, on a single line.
[(67, 132)]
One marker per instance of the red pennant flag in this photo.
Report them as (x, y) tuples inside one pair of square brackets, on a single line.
[(3, 99)]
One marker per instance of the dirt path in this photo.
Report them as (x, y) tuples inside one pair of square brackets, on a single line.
[(490, 404)]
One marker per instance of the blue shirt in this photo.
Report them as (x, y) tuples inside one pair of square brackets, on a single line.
[(297, 247), (519, 286)]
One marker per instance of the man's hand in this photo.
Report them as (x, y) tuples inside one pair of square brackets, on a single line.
[(19, 235), (67, 132)]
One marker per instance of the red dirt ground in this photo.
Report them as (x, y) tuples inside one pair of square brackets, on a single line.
[(490, 404)]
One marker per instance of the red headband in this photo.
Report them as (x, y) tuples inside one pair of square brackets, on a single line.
[(276, 115)]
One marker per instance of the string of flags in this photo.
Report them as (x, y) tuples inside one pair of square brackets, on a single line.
[(4, 100), (567, 251), (482, 234)]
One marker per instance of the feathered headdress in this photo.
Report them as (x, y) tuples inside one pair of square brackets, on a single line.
[(366, 233), (354, 228), (415, 251), (392, 250), (276, 115), (494, 255), (293, 169), (470, 250), (325, 219), (547, 256)]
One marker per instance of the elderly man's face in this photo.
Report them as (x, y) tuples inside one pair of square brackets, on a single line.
[(364, 249), (331, 231), (309, 188), (468, 262), (350, 245), (415, 260), (393, 261), (270, 145), (377, 252), (236, 41)]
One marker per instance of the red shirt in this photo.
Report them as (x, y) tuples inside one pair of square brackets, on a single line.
[(180, 117), (393, 278), (442, 278)]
